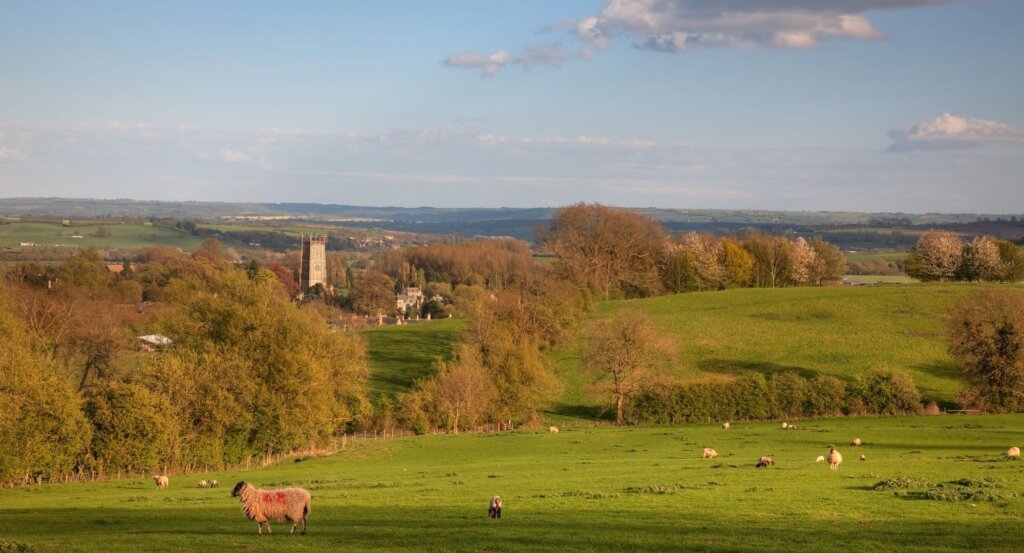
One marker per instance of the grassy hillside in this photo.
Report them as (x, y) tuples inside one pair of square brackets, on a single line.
[(837, 331), (122, 236), (401, 354), (586, 489)]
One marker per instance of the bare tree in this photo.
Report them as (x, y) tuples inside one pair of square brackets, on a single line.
[(626, 352)]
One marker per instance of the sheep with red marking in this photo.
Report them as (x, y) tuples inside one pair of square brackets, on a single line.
[(263, 506)]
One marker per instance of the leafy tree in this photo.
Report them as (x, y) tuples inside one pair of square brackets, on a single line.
[(1013, 261), (626, 352), (462, 391), (130, 427), (679, 271), (937, 255), (739, 265), (986, 333), (709, 259), (102, 232), (830, 263), (85, 270), (612, 252), (372, 293), (981, 260)]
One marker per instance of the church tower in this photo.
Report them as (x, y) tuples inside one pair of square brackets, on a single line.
[(313, 262)]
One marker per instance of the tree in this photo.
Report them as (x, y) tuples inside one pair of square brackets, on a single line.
[(612, 252), (986, 333), (1013, 261), (85, 269), (803, 259), (462, 390), (830, 263), (772, 264), (738, 264), (981, 260), (679, 271), (936, 256), (626, 352), (372, 293), (102, 232), (709, 259)]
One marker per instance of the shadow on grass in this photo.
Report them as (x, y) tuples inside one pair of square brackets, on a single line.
[(586, 412), (566, 528), (738, 367)]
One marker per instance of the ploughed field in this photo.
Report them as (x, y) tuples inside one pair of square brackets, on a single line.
[(582, 489)]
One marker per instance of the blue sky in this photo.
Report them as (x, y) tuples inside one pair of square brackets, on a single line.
[(871, 105)]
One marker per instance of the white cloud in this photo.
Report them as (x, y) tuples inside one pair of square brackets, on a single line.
[(227, 155), (488, 65), (952, 131), (680, 25), (11, 154)]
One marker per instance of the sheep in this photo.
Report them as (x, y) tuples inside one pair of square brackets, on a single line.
[(791, 427), (785, 425), (214, 484), (494, 508), (856, 442), (553, 429), (1013, 452), (288, 504), (709, 453), (725, 425), (834, 458), (820, 459), (863, 457), (161, 481), (202, 484), (764, 461)]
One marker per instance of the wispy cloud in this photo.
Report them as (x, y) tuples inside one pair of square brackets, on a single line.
[(682, 25), (11, 154), (486, 64), (950, 131)]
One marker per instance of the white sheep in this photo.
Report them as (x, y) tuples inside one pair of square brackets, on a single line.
[(494, 508), (863, 457), (553, 429), (288, 504), (202, 484), (214, 484), (856, 442), (785, 425), (161, 481), (834, 458), (709, 453), (820, 459), (764, 461), (1013, 452), (725, 425)]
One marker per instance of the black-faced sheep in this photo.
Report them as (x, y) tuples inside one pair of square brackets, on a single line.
[(288, 504), (764, 461), (709, 453), (834, 458), (161, 481), (494, 508)]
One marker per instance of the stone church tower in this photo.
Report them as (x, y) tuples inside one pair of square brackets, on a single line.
[(313, 261)]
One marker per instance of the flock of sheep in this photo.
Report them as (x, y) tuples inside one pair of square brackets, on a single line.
[(293, 504)]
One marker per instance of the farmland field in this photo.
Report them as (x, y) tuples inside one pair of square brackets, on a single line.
[(122, 236), (401, 354), (584, 489)]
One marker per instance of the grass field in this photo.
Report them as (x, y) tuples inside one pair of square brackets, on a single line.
[(122, 236), (401, 354), (584, 489), (837, 331)]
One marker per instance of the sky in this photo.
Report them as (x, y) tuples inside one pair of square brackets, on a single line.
[(838, 105)]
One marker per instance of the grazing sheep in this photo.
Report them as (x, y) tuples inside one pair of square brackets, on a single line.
[(834, 458), (288, 504), (709, 453), (791, 427), (553, 429), (863, 457), (764, 461), (202, 483), (725, 425), (856, 442), (785, 425), (494, 508), (820, 459), (1013, 452), (161, 480), (214, 484)]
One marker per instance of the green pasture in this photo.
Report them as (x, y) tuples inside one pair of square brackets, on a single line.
[(839, 331), (884, 255), (399, 355), (881, 279), (122, 236), (583, 489)]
